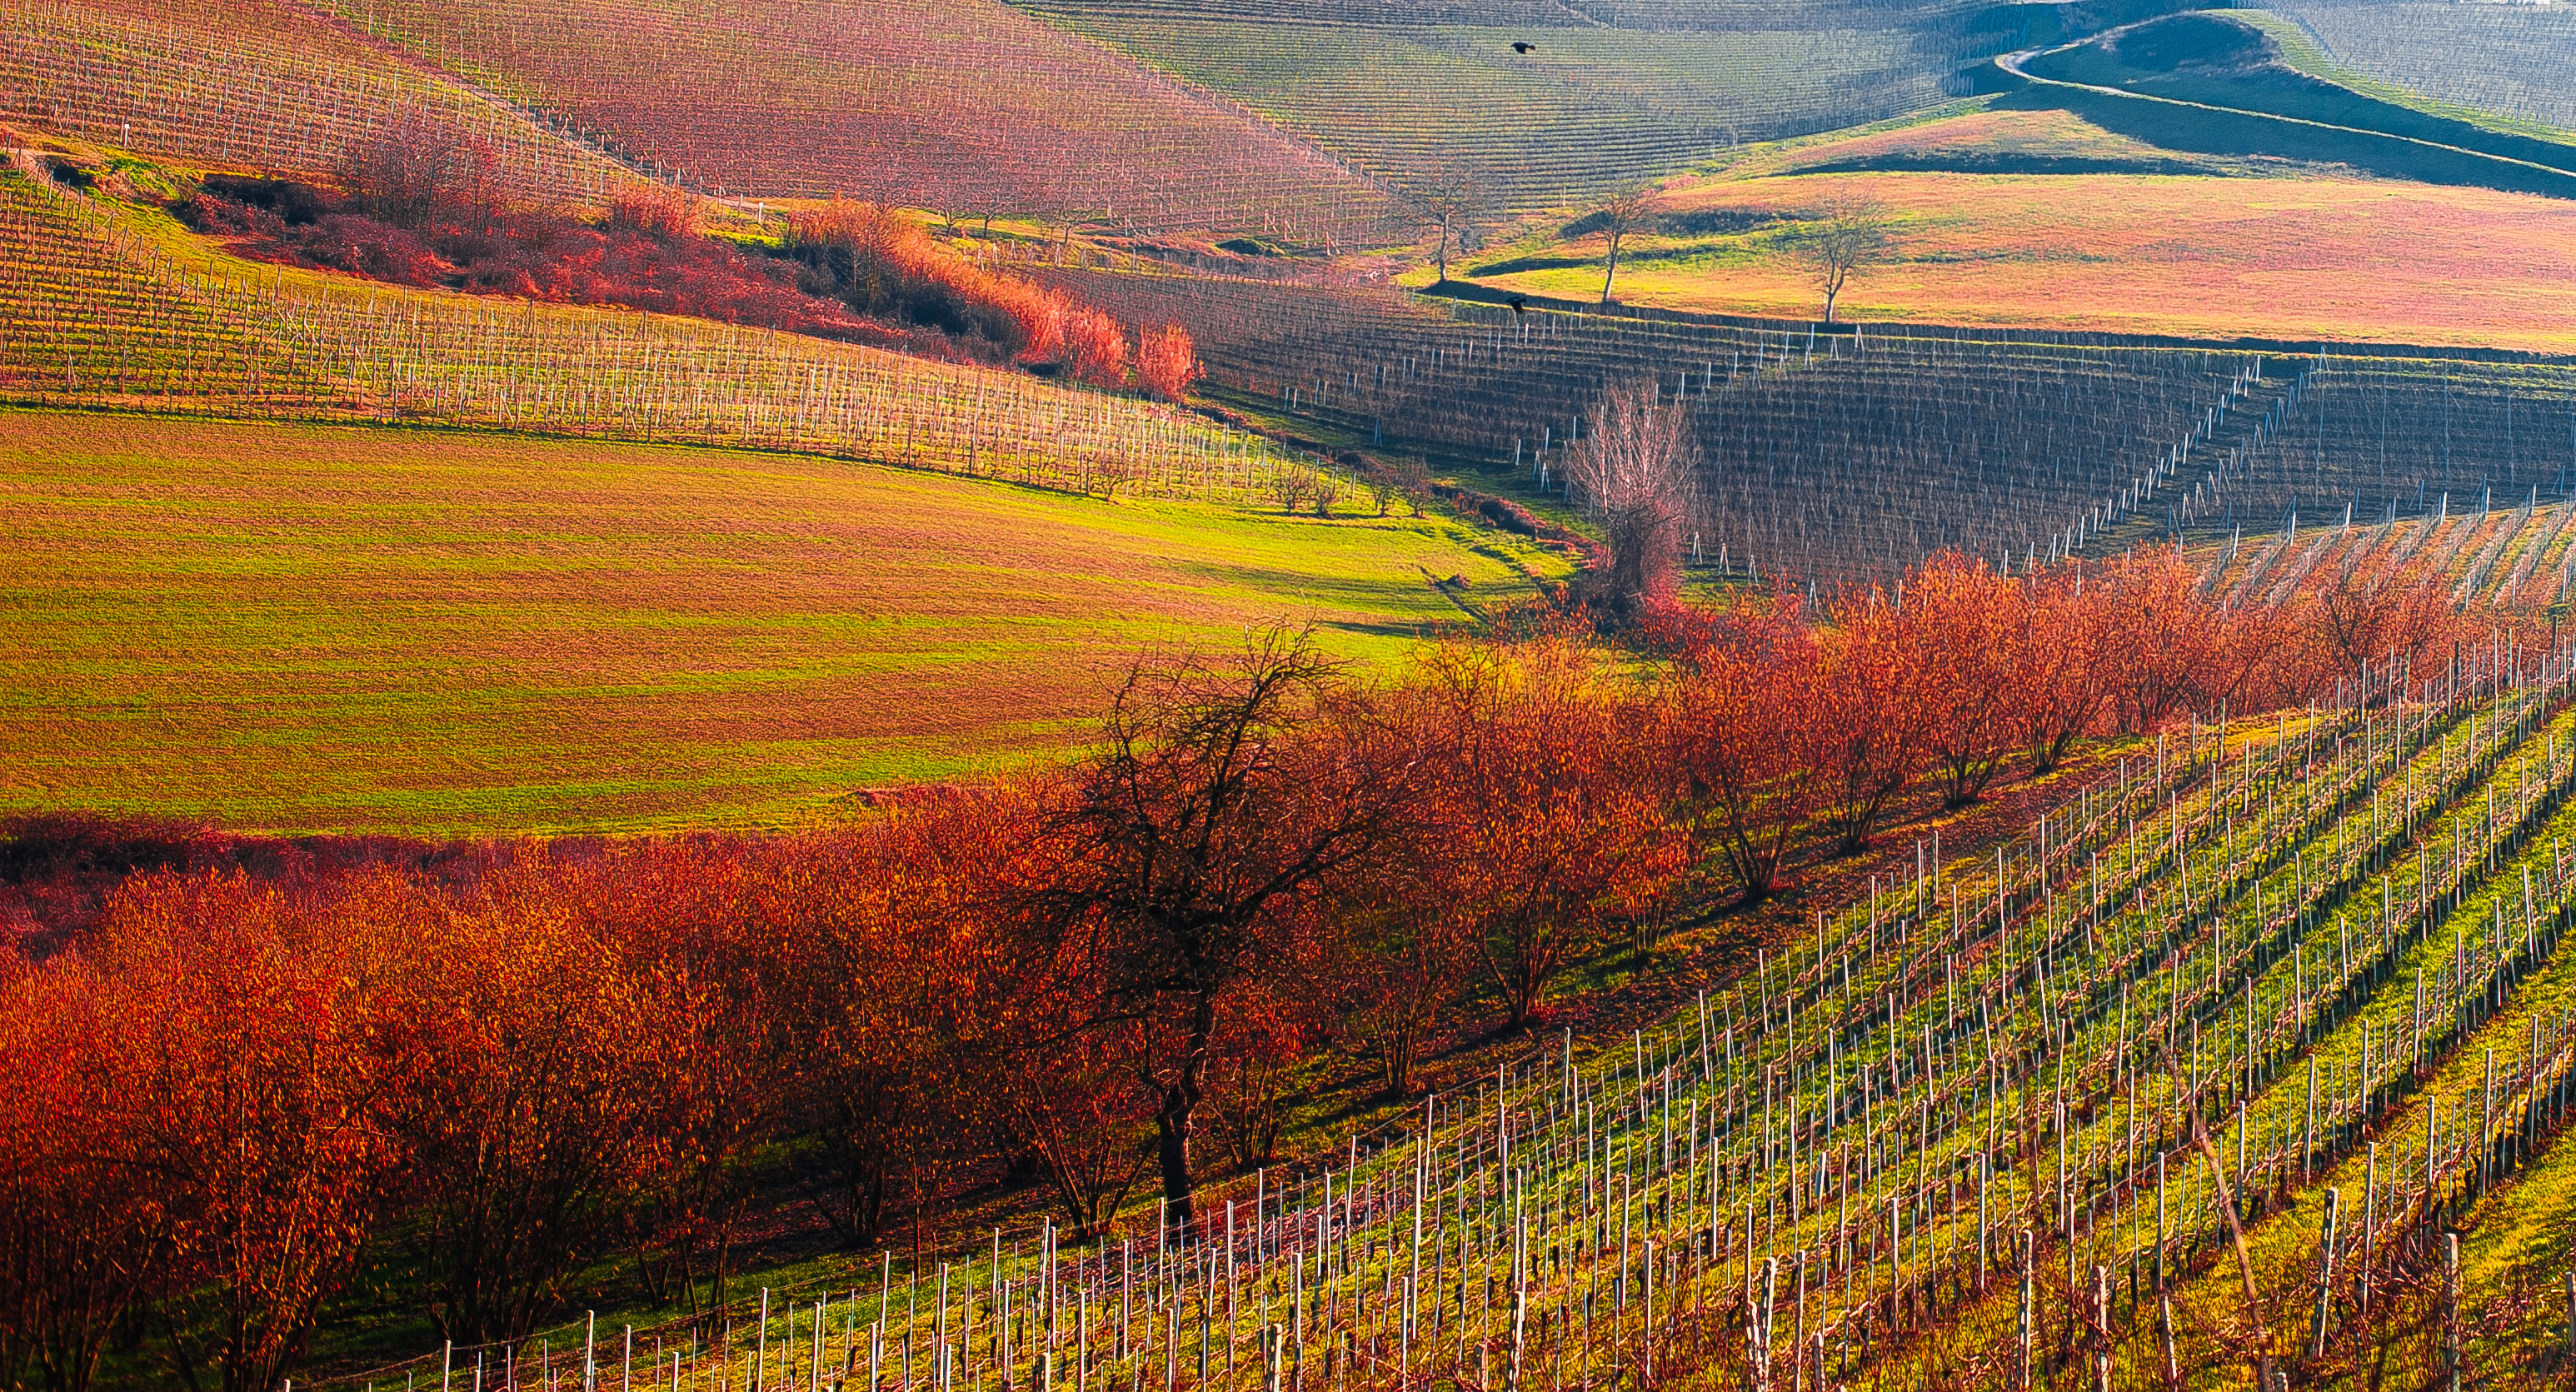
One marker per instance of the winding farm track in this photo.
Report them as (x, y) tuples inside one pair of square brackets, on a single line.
[(2013, 65)]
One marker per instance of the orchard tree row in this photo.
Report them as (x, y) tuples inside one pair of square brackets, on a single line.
[(1107, 978)]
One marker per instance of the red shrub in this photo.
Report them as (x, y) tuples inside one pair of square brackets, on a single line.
[(655, 211), (1043, 316), (418, 168), (879, 263), (853, 271), (1167, 362), (1096, 349), (364, 246)]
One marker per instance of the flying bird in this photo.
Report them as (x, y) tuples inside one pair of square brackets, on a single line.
[(1523, 46)]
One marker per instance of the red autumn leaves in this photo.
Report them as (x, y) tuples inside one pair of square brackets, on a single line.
[(1794, 727), (1103, 978)]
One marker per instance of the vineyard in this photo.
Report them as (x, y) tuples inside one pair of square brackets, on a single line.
[(964, 108), (110, 304), (2515, 61), (1351, 818), (1836, 457), (257, 84), (1594, 109), (1992, 1124), (2513, 559)]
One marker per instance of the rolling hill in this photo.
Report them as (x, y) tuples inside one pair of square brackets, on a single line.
[(2298, 257), (2512, 61), (961, 106), (262, 85), (113, 303), (1606, 96), (304, 627), (1595, 107)]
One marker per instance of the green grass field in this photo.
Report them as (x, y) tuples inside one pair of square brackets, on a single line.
[(308, 627)]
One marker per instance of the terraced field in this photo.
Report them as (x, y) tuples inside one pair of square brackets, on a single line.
[(1978, 1129), (254, 84), (1592, 109), (110, 303), (962, 106), (1836, 457), (304, 628)]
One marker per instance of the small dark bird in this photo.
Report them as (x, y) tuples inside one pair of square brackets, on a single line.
[(1519, 305), (1522, 46)]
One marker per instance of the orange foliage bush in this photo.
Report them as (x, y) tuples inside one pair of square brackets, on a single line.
[(878, 262), (657, 211), (1096, 349), (1866, 701), (1167, 363), (1740, 729), (1967, 628)]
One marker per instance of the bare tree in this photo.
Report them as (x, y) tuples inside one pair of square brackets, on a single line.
[(1291, 486), (1851, 232), (1623, 214), (416, 166), (1638, 469), (1451, 201), (1205, 815)]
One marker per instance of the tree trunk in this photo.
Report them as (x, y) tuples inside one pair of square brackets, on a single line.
[(1179, 1108), (1523, 1005), (1399, 1047), (1172, 1147)]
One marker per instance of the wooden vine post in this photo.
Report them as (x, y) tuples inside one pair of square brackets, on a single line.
[(2451, 1353), (2317, 1326), (2101, 1328), (2023, 1342), (2570, 1354)]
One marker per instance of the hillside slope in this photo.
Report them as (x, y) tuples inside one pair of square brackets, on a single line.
[(1418, 94), (1843, 455), (109, 302), (2217, 83), (1950, 1136), (2518, 61), (265, 85), (2320, 259), (307, 627), (962, 106)]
